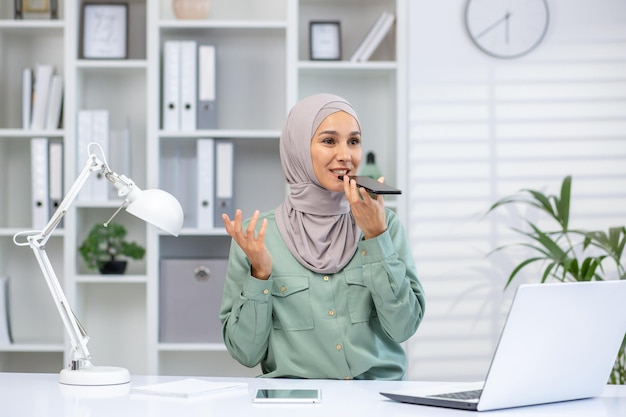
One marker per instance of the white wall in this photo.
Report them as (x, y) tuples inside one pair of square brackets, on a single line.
[(481, 128)]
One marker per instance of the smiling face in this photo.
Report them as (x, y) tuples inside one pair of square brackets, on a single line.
[(336, 150)]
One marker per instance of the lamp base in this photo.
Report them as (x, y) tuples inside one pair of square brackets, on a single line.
[(95, 375)]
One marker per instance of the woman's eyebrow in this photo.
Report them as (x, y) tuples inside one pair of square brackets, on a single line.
[(334, 132)]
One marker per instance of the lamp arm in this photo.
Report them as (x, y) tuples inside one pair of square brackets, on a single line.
[(37, 242), (78, 336), (93, 164)]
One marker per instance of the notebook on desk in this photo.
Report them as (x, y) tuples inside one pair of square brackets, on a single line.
[(559, 343)]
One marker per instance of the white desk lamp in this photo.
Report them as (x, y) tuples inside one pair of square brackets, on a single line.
[(154, 206)]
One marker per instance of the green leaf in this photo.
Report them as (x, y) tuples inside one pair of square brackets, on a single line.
[(520, 267), (563, 204)]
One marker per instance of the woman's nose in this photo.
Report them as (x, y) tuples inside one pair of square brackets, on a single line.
[(343, 153)]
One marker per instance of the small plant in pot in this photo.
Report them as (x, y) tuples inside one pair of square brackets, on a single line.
[(104, 245)]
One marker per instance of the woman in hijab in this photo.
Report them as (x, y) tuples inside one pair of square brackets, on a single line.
[(324, 286)]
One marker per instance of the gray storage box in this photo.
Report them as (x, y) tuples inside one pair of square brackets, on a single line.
[(190, 294)]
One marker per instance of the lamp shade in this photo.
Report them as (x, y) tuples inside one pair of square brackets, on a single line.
[(158, 208)]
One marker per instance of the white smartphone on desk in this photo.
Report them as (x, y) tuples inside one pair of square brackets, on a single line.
[(287, 396)]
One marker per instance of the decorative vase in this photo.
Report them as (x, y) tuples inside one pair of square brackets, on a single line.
[(191, 9), (113, 267)]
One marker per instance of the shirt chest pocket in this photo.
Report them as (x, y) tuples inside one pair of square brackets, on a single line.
[(360, 300), (291, 303)]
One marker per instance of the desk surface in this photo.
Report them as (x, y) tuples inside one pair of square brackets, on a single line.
[(41, 395)]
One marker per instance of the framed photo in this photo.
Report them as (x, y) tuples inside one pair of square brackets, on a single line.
[(325, 40), (105, 30), (35, 6)]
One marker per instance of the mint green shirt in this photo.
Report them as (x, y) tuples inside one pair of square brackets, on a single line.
[(303, 324)]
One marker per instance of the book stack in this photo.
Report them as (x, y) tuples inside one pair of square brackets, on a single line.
[(42, 98), (374, 37)]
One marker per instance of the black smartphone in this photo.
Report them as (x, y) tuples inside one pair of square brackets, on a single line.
[(373, 186)]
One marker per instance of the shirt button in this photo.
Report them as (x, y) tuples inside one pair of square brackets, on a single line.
[(339, 347), (331, 313), (326, 278), (347, 378), (283, 289), (266, 291), (363, 252)]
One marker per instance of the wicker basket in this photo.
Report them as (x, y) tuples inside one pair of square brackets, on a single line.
[(191, 9)]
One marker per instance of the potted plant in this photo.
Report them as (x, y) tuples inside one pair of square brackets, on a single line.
[(104, 245), (568, 254)]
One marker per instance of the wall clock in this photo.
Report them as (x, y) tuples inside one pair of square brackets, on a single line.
[(506, 28)]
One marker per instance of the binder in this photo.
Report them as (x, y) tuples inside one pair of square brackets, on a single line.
[(43, 77), (224, 181), (188, 85), (5, 317), (27, 97), (55, 101), (55, 174), (171, 85), (205, 167), (178, 176), (207, 109), (190, 295), (39, 182)]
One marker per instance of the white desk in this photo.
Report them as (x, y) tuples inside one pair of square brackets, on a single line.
[(40, 395)]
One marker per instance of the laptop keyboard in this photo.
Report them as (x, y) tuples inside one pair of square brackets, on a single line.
[(462, 395)]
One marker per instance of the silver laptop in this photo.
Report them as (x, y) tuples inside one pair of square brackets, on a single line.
[(559, 343)]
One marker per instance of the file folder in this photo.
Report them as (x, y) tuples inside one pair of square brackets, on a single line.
[(55, 176), (178, 176), (207, 106), (39, 182), (224, 181), (205, 167), (188, 85), (171, 85)]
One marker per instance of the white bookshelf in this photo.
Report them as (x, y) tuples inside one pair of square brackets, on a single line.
[(263, 69)]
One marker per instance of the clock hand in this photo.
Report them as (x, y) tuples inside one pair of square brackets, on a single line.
[(507, 26), (495, 24)]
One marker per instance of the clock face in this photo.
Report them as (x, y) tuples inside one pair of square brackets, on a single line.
[(506, 28)]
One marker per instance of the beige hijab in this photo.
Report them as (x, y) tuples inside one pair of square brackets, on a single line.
[(315, 223)]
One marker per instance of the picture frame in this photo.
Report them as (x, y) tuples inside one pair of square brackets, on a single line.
[(325, 40), (35, 6), (105, 31)]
